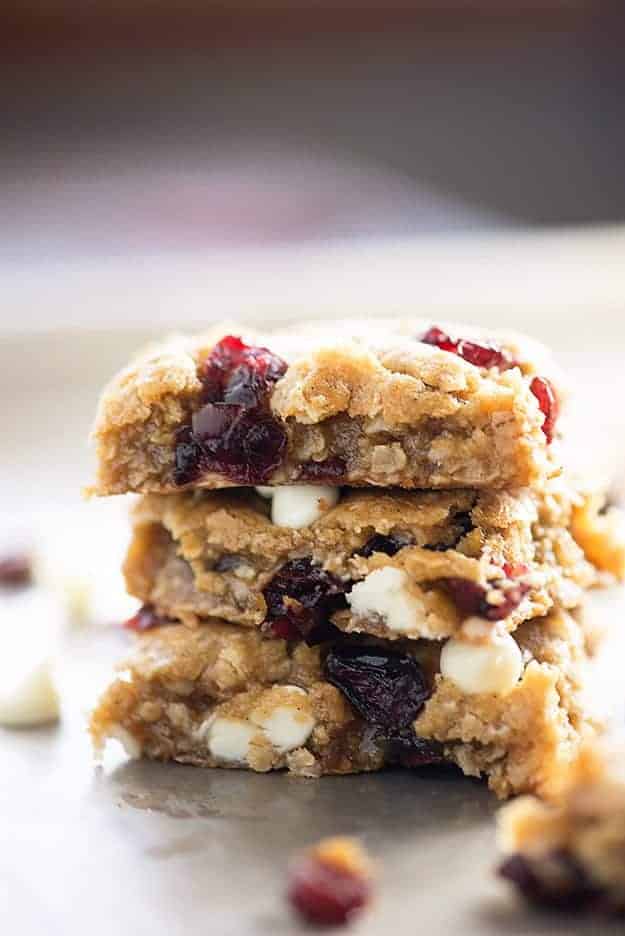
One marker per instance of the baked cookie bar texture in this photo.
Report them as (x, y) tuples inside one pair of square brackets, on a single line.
[(390, 403), (221, 695), (568, 851), (354, 547), (392, 564)]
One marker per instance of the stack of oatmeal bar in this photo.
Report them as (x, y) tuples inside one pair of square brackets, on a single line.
[(353, 547)]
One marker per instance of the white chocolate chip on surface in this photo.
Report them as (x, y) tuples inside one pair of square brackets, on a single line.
[(383, 592), (494, 666), (30, 700), (229, 739), (289, 723), (265, 491), (31, 620), (299, 505)]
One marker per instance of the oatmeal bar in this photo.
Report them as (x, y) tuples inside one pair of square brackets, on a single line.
[(218, 695), (377, 403), (393, 564), (568, 853)]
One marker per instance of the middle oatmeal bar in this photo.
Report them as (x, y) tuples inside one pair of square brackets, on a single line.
[(393, 564), (219, 695)]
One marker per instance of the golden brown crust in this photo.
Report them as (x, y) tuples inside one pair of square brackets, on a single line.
[(397, 411)]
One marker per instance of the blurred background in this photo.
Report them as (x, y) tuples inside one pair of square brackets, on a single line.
[(173, 160)]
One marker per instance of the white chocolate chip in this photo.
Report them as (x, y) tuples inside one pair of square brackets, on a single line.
[(32, 620), (299, 505), (32, 699), (289, 724), (229, 739), (264, 491), (493, 666), (384, 592)]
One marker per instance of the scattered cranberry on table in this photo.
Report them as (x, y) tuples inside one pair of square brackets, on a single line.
[(332, 883), (16, 571)]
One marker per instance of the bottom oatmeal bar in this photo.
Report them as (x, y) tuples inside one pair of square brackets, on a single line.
[(223, 696), (569, 853)]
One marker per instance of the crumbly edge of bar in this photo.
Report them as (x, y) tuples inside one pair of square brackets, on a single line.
[(180, 680), (179, 540), (414, 417), (582, 818)]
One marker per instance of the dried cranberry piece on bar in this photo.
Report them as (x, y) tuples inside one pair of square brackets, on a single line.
[(233, 432), (300, 599), (385, 687), (145, 619), (548, 403), (481, 355), (471, 598)]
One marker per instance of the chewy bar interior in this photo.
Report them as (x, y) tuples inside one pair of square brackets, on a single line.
[(222, 696), (392, 564), (386, 404), (566, 853)]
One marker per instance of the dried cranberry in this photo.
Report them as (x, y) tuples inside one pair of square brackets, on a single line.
[(481, 355), (515, 569), (409, 750), (145, 619), (326, 892), (245, 445), (556, 881), (300, 599), (238, 373), (389, 545), (440, 339), (470, 598), (330, 470), (16, 572), (548, 404), (385, 687), (233, 433)]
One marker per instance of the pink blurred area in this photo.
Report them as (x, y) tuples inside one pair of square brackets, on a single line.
[(258, 197), (133, 128)]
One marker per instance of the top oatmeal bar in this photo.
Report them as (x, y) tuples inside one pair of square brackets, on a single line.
[(382, 403)]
